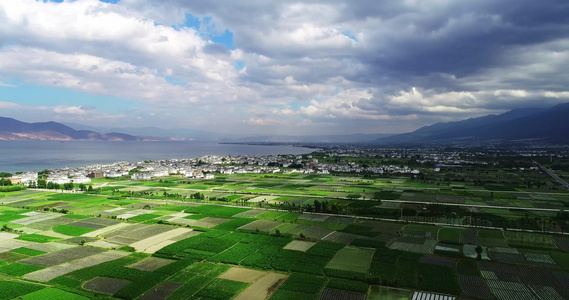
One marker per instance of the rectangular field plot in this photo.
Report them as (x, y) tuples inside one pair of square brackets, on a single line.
[(71, 230), (47, 224), (209, 222), (263, 288), (340, 237), (448, 234), (425, 247), (333, 294), (147, 245), (242, 275), (59, 257), (386, 293), (150, 264), (50, 273), (161, 291), (36, 216), (106, 285), (262, 225), (316, 232), (299, 245), (52, 293), (351, 259), (474, 286)]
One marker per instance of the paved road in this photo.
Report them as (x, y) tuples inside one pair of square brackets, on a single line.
[(553, 175)]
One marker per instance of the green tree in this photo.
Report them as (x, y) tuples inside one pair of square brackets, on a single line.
[(42, 184)]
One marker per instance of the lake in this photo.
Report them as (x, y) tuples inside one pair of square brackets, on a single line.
[(16, 156)]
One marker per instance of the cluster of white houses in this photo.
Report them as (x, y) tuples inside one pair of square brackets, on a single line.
[(203, 168)]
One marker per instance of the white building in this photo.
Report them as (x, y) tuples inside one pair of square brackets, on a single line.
[(59, 179), (141, 176), (81, 179)]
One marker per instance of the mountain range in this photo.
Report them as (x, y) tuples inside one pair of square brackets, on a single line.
[(528, 125), (11, 129), (518, 125)]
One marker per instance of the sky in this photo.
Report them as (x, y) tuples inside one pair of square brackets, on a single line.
[(280, 67)]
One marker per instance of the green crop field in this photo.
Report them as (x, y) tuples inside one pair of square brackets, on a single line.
[(343, 244), (351, 259), (71, 230)]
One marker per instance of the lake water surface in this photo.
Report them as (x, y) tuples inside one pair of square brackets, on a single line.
[(22, 156)]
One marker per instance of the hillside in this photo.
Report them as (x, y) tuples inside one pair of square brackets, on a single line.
[(12, 129), (521, 124)]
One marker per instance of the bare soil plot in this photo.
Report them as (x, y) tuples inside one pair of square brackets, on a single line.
[(263, 288), (48, 224), (160, 292), (182, 221), (209, 222), (105, 285), (103, 244), (7, 236), (250, 213), (351, 259), (297, 228), (134, 213), (35, 216), (105, 230), (340, 237), (54, 234), (297, 245), (49, 247), (7, 245), (316, 232), (80, 240), (11, 257), (150, 264), (28, 230), (185, 236), (159, 246), (262, 225), (311, 217), (143, 245), (59, 257), (50, 273), (334, 294), (242, 275), (135, 233), (268, 199), (94, 223)]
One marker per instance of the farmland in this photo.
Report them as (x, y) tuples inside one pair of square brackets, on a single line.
[(285, 236)]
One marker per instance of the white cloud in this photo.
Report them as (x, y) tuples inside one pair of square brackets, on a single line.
[(306, 63)]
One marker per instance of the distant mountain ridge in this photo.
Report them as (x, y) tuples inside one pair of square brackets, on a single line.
[(551, 124), (12, 129)]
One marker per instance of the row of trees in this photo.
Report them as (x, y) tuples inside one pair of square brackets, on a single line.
[(43, 184)]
